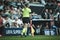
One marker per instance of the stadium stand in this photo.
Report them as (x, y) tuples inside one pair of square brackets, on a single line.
[(12, 10)]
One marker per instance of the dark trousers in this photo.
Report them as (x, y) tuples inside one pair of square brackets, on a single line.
[(1, 30)]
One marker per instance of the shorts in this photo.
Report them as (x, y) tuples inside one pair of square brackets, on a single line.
[(26, 20)]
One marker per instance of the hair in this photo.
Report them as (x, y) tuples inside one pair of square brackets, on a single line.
[(26, 4)]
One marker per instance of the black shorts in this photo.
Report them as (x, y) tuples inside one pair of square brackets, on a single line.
[(26, 19)]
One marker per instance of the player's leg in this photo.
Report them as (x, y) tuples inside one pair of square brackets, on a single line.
[(26, 25), (32, 31), (23, 30)]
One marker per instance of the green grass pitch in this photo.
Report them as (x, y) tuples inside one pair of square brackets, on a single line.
[(38, 37)]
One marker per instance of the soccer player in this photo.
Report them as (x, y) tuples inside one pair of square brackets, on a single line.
[(32, 29), (26, 18)]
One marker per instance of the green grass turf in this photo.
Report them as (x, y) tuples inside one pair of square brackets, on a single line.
[(39, 37)]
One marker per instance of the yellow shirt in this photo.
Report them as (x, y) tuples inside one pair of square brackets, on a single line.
[(26, 12)]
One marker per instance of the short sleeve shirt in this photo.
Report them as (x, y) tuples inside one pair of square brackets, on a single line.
[(26, 12)]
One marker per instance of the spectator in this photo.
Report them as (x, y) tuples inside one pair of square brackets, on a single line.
[(46, 15), (56, 16), (6, 2), (18, 22), (51, 17), (1, 26), (15, 12), (7, 12), (43, 2), (7, 21)]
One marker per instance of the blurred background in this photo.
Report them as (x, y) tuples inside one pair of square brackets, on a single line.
[(45, 16)]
